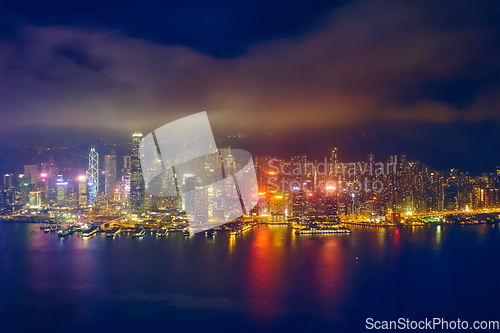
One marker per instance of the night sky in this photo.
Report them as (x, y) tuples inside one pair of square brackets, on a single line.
[(414, 77)]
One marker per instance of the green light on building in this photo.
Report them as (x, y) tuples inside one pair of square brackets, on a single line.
[(25, 184)]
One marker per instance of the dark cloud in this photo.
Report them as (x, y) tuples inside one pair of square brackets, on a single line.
[(371, 62)]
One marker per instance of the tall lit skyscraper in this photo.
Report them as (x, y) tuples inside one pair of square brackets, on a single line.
[(62, 189), (31, 174), (93, 176), (82, 191), (127, 165), (110, 174), (136, 179)]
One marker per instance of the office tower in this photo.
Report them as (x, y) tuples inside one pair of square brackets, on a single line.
[(201, 204), (82, 191), (23, 190), (31, 175), (330, 206), (125, 184), (35, 198), (450, 195), (229, 163), (189, 188), (298, 202), (110, 175), (93, 176), (8, 180), (48, 181), (8, 190), (127, 164), (136, 179), (61, 190), (333, 161)]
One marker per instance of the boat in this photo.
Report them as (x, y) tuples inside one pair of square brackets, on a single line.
[(161, 233), (187, 233), (89, 232), (311, 231), (65, 232), (113, 232), (241, 229), (140, 233)]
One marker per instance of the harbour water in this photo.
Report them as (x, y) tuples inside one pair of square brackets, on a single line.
[(266, 279)]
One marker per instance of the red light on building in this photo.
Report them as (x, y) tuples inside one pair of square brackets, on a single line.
[(272, 172), (310, 194)]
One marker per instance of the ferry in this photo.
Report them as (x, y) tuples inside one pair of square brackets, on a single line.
[(89, 232), (311, 231), (187, 233), (114, 232), (140, 233), (239, 231), (161, 233), (65, 232)]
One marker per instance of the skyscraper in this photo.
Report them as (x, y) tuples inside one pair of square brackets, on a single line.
[(136, 179), (93, 176), (31, 174), (110, 174), (82, 191), (62, 189), (8, 180)]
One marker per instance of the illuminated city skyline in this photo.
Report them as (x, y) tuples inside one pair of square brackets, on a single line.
[(295, 187)]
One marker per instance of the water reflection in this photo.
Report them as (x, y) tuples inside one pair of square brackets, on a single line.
[(438, 235), (271, 274), (330, 260), (381, 233)]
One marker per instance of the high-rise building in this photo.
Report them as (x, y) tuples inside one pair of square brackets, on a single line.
[(35, 198), (110, 174), (82, 191), (61, 190), (8, 190), (8, 180), (93, 176), (136, 179), (127, 164), (23, 185), (125, 183), (31, 175)]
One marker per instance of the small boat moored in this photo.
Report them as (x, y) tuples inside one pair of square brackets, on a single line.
[(141, 233)]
